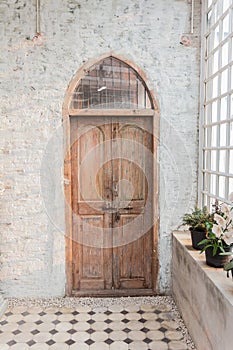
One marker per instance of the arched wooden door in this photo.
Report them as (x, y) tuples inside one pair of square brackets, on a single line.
[(112, 236)]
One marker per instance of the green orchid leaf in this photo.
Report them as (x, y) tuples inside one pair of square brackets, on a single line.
[(228, 266), (215, 248)]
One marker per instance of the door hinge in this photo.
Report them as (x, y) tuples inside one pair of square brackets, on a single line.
[(66, 181)]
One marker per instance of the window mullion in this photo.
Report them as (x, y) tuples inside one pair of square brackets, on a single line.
[(216, 123)]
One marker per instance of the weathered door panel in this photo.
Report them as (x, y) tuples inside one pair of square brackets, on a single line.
[(132, 238), (90, 184)]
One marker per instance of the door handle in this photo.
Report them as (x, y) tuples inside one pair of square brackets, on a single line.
[(127, 208)]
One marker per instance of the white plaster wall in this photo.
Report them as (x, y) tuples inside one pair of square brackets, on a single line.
[(33, 87)]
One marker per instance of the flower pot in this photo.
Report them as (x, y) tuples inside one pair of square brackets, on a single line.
[(197, 236), (217, 260)]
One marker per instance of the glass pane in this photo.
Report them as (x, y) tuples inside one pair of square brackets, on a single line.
[(207, 114), (224, 81), (222, 186), (231, 106), (223, 135), (213, 183), (216, 36), (226, 4), (232, 74), (209, 90), (206, 157), (231, 134), (219, 8), (111, 84), (205, 181), (226, 26), (222, 161), (223, 108), (208, 44), (232, 47), (210, 18), (214, 111), (209, 65), (215, 87), (214, 136), (215, 62), (225, 54), (215, 10), (231, 162), (213, 160), (230, 187), (205, 136)]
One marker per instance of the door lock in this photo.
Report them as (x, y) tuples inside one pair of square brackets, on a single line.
[(117, 217)]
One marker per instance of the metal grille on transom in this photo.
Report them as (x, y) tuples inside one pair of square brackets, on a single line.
[(111, 84)]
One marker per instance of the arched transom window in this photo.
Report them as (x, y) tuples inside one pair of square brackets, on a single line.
[(111, 84)]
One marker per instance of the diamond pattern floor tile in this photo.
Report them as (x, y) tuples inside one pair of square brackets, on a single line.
[(117, 327)]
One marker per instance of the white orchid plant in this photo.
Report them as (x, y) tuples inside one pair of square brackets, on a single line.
[(223, 228), (220, 233)]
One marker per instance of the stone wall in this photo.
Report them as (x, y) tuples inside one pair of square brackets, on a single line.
[(35, 79)]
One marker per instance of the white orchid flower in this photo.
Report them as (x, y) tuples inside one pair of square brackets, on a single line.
[(225, 209), (228, 220), (217, 230), (220, 220), (231, 214), (228, 237)]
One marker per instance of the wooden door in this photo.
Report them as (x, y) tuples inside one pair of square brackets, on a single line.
[(112, 191)]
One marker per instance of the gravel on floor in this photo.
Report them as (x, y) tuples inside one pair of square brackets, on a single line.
[(106, 302)]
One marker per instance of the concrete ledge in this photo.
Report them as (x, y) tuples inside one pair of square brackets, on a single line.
[(204, 296), (3, 306)]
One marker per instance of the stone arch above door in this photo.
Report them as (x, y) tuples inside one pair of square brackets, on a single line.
[(110, 88)]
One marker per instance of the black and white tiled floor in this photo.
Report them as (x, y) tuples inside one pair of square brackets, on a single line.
[(116, 327)]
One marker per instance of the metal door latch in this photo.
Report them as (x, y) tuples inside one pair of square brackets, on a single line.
[(117, 216)]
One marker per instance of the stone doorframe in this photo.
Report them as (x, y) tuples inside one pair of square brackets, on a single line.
[(67, 114)]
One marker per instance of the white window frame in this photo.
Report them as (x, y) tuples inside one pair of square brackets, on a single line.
[(205, 196)]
